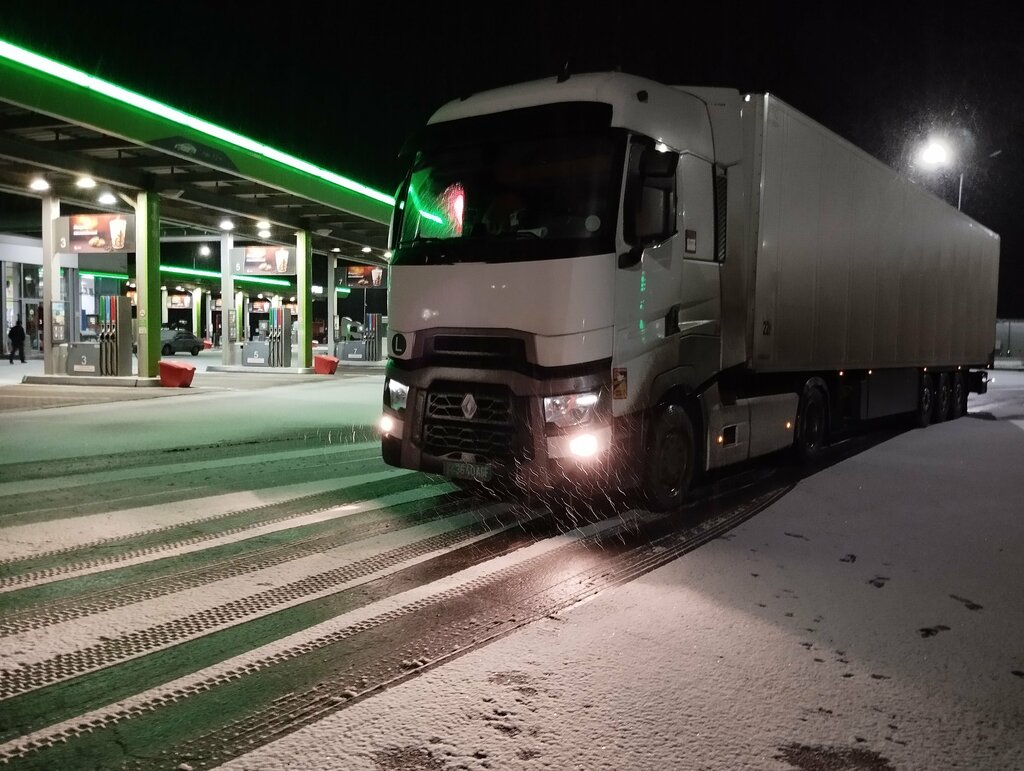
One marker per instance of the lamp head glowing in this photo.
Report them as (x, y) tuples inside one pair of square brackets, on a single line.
[(39, 184), (936, 153)]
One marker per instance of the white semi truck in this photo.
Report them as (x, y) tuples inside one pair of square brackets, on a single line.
[(601, 278)]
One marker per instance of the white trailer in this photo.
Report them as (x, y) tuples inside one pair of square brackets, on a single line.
[(603, 278)]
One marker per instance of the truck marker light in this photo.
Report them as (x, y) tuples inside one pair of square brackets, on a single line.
[(386, 424), (583, 445)]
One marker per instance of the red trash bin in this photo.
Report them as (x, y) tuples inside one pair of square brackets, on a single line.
[(176, 374), (325, 365)]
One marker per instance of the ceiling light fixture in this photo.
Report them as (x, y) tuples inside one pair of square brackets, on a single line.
[(264, 233), (367, 250), (39, 184), (263, 225), (86, 183), (204, 251), (226, 225), (107, 199)]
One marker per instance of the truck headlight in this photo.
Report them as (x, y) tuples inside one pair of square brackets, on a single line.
[(571, 409), (395, 394)]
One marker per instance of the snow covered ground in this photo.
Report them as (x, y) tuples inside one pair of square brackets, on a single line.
[(870, 619)]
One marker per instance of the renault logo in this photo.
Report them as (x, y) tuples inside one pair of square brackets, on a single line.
[(468, 406)]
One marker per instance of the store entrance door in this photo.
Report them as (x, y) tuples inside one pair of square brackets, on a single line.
[(30, 320)]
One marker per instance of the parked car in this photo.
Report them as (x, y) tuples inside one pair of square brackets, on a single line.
[(174, 340)]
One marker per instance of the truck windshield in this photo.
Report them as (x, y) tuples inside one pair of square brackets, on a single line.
[(532, 196)]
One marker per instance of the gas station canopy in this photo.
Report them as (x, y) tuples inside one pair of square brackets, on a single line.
[(62, 125)]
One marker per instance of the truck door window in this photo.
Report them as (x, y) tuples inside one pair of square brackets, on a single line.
[(650, 207)]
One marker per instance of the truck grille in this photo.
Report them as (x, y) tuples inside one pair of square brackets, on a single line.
[(490, 431), (489, 409), (489, 443)]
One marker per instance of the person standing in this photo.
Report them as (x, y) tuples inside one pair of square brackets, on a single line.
[(17, 338)]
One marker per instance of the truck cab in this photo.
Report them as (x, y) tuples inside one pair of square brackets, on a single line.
[(548, 256)]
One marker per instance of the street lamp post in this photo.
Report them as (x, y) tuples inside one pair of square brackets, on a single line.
[(936, 154)]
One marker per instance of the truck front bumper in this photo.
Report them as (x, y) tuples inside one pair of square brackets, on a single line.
[(492, 424)]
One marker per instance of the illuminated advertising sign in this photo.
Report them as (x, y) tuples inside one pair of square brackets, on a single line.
[(90, 233), (264, 260), (179, 301), (365, 276)]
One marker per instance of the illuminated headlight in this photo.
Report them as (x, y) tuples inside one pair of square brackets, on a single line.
[(584, 445), (386, 424), (571, 409), (395, 394)]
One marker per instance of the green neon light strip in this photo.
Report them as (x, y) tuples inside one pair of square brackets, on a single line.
[(214, 274), (79, 78), (192, 272), (96, 274), (344, 291), (419, 206)]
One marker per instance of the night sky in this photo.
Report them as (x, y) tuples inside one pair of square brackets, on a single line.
[(344, 86)]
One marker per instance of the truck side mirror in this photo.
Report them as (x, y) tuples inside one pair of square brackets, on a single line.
[(631, 258)]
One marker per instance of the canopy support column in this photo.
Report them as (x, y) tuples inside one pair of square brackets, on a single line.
[(228, 310), (147, 281), (332, 304), (304, 297), (51, 283)]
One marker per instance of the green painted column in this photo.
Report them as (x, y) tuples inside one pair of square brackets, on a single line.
[(147, 280), (197, 312), (304, 295)]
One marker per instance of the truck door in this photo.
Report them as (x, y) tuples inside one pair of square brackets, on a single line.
[(649, 273)]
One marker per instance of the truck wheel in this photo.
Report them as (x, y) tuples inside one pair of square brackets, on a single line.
[(943, 396), (925, 402), (812, 424), (671, 455), (959, 405)]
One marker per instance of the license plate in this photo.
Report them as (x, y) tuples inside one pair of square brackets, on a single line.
[(481, 472)]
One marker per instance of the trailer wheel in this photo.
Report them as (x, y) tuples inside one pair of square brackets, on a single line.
[(959, 406), (812, 424), (925, 402), (671, 455), (943, 397)]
